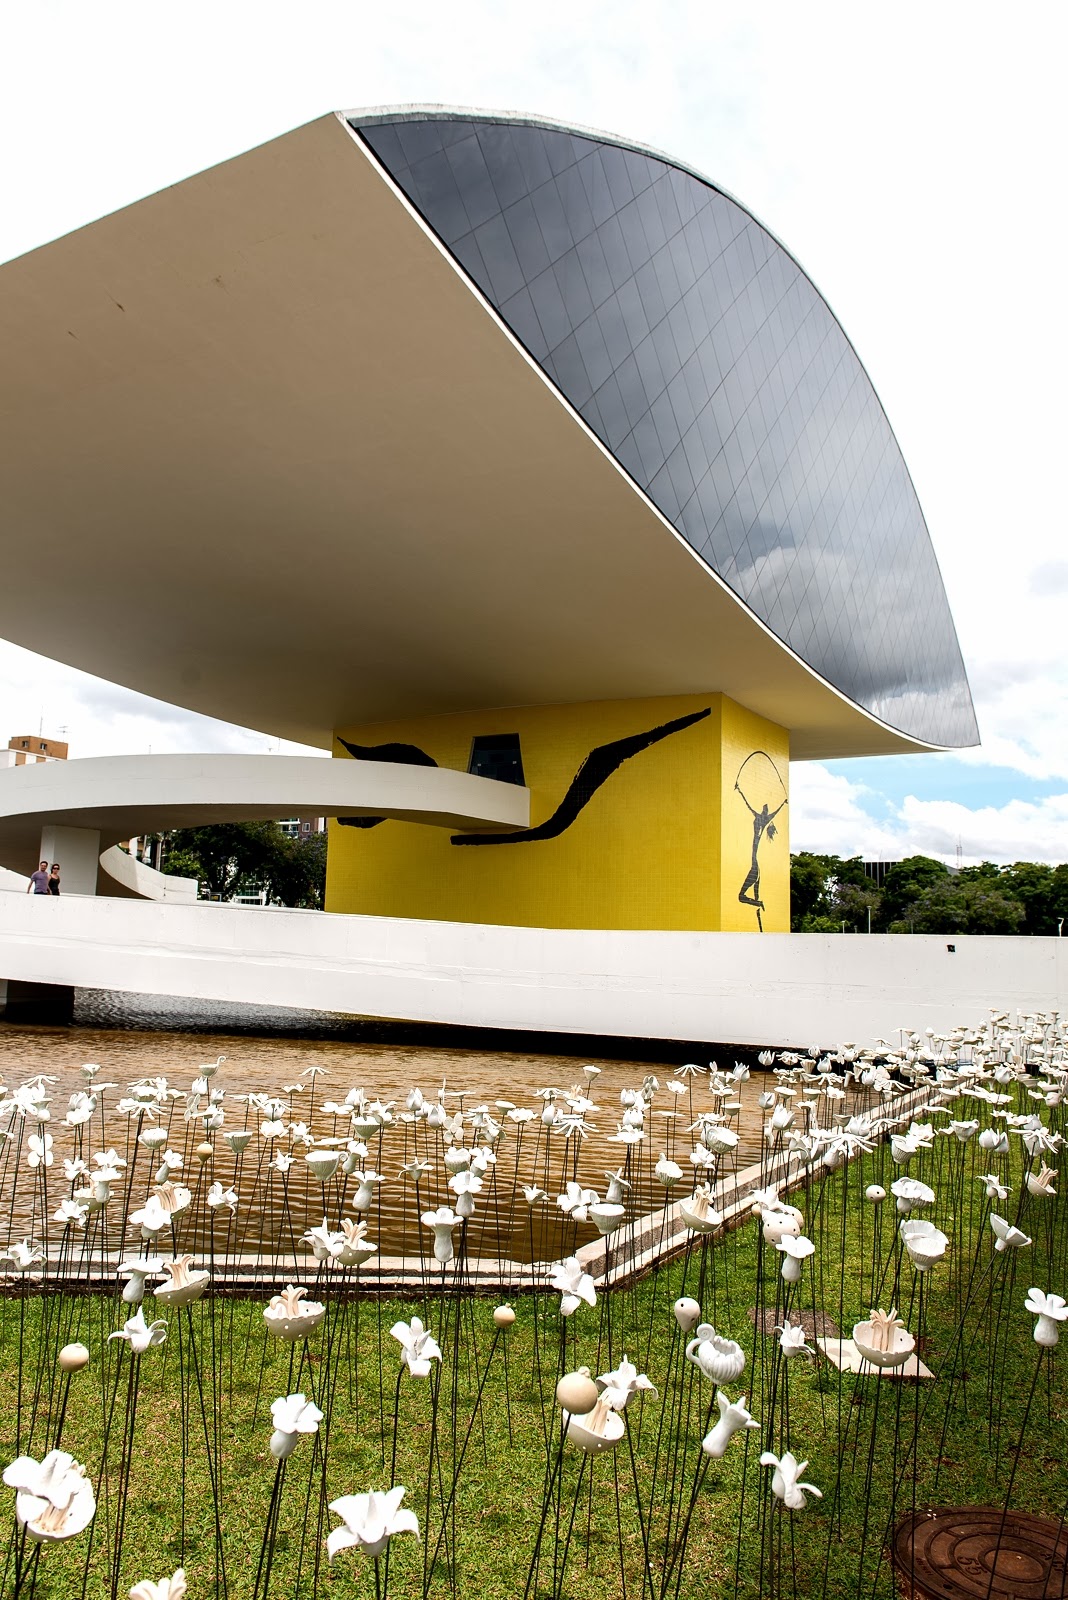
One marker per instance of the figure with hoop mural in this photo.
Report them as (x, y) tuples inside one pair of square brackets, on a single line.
[(760, 785)]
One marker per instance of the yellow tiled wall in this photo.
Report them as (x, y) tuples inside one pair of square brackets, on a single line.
[(666, 842)]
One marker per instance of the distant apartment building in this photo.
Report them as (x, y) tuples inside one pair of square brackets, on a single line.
[(302, 827), (27, 749)]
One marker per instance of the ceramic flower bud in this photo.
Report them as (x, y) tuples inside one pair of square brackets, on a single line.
[(54, 1499), (792, 1340), (925, 1243), (732, 1419), (599, 1429), (618, 1189), (875, 1193), (997, 1143), (718, 1358), (1006, 1237), (172, 1588), (289, 1317), (322, 1164), (781, 1222), (363, 1199), (457, 1159), (884, 1341), (152, 1138), (667, 1172), (794, 1251), (135, 1271), (292, 1415), (620, 1387), (369, 1522), (687, 1313), (185, 1283), (785, 1480), (698, 1211), (442, 1222), (1050, 1309)]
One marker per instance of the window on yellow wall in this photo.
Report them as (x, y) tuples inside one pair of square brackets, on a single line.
[(497, 755)]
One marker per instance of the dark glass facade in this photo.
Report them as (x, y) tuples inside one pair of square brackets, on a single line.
[(702, 356)]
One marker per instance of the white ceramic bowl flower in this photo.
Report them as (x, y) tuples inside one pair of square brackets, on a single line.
[(54, 1499)]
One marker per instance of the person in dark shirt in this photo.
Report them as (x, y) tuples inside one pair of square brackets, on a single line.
[(53, 879), (38, 883)]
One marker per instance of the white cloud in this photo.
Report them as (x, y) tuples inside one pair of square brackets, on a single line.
[(834, 816)]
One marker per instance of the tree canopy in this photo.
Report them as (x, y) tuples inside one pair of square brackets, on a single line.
[(231, 858), (922, 895)]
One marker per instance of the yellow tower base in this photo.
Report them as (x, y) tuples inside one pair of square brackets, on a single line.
[(665, 813)]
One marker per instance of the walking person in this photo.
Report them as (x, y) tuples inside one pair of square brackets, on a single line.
[(38, 883), (53, 878)]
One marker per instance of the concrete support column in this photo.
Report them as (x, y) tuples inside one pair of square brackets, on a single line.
[(78, 852)]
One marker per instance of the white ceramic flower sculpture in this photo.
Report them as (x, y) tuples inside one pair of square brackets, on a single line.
[(139, 1334), (994, 1140), (135, 1270), (785, 1480), (698, 1211), (620, 1387), (369, 1522), (239, 1139), (23, 1255), (326, 1243), (292, 1415), (925, 1243), (172, 1588), (218, 1197), (441, 1222), (792, 1340), (322, 1164), (687, 1313), (367, 1183), (910, 1194), (1006, 1236), (1040, 1183), (185, 1284), (357, 1248), (53, 1498), (418, 1346), (289, 1316), (572, 1284), (875, 1193), (733, 1418), (1050, 1309), (883, 1340), (718, 1358), (596, 1430), (995, 1189), (794, 1251), (667, 1172), (465, 1184), (618, 1187), (606, 1216), (780, 1221)]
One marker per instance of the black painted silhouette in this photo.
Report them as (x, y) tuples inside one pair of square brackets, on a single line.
[(408, 755), (757, 783), (595, 770)]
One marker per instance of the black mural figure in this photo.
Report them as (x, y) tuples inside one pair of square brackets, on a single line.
[(757, 783), (597, 768)]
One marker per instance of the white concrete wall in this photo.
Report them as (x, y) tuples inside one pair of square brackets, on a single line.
[(789, 989)]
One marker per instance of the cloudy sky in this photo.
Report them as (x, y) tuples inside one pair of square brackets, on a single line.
[(910, 156)]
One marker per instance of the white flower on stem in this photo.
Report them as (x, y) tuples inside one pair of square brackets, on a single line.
[(23, 1255), (626, 1135), (1007, 1237), (218, 1197), (925, 1243), (418, 1346), (326, 1245), (792, 1340), (135, 1270), (596, 1430), (289, 1317), (73, 1170), (911, 1193), (995, 1141), (369, 1522), (39, 1150), (619, 1387), (576, 1201), (238, 1139), (465, 1185), (415, 1171), (1040, 1183), (442, 1221), (185, 1282), (70, 1211), (172, 1588), (53, 1498), (667, 1172), (139, 1334), (533, 1195), (367, 1183), (618, 1188), (794, 1250), (698, 1211), (785, 1480), (733, 1418), (291, 1416), (573, 1285), (1050, 1309), (962, 1130), (995, 1189), (357, 1248), (718, 1358)]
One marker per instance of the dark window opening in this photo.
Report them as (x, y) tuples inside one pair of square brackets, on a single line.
[(497, 755)]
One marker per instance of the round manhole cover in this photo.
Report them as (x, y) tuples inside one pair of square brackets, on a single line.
[(980, 1553)]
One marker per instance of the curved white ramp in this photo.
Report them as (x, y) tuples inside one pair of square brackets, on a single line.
[(109, 798)]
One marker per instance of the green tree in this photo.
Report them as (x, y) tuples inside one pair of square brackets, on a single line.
[(297, 873), (956, 904), (231, 857), (1035, 886), (904, 885), (809, 877)]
